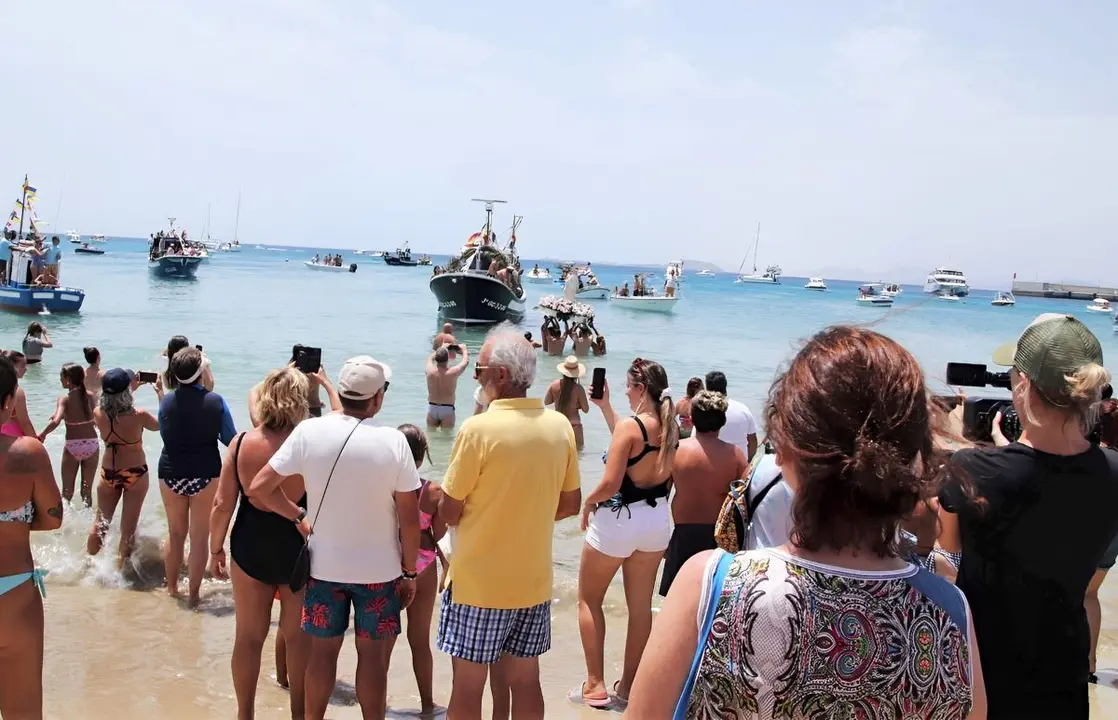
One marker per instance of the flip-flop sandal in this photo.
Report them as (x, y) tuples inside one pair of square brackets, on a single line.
[(598, 702), (621, 699)]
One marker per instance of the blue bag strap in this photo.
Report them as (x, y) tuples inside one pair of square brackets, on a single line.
[(725, 559)]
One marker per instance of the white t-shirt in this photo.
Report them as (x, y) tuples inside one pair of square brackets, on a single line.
[(772, 520), (356, 537), (480, 399), (739, 425)]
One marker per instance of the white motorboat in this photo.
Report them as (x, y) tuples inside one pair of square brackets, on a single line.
[(647, 303), (946, 281), (592, 292), (1004, 299), (872, 295), (816, 284), (98, 238), (1099, 305), (772, 273), (538, 275), (588, 287), (951, 298), (892, 289), (74, 236), (350, 268), (705, 273)]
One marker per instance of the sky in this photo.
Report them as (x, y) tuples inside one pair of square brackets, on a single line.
[(867, 138)]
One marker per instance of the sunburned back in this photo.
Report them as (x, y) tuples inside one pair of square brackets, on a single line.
[(703, 469)]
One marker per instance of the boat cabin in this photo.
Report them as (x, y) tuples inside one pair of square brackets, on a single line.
[(22, 268)]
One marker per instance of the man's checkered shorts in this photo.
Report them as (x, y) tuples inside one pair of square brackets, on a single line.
[(482, 635)]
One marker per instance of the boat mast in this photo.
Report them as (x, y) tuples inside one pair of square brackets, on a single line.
[(488, 216), (22, 207), (756, 243), (237, 221), (58, 210)]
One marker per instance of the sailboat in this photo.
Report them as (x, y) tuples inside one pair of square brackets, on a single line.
[(235, 246), (772, 273), (18, 291)]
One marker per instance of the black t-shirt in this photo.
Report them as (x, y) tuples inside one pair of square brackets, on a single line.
[(1028, 558)]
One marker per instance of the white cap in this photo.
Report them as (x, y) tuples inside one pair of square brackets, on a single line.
[(362, 377)]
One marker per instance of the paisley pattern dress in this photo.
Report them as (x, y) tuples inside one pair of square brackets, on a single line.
[(781, 637)]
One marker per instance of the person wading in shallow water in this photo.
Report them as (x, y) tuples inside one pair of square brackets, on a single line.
[(29, 501), (442, 385), (82, 448)]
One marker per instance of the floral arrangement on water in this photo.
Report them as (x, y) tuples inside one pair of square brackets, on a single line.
[(565, 309)]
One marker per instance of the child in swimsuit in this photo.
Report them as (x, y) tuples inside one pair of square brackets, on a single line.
[(82, 449), (422, 608)]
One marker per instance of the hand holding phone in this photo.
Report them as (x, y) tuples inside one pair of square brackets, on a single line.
[(148, 377), (308, 359), (598, 384)]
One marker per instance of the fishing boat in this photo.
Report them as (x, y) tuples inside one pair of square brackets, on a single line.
[(1099, 305), (538, 275), (74, 237), (350, 268), (646, 303), (20, 292), (171, 255), (872, 295), (424, 260), (1004, 299), (480, 285), (87, 249), (772, 273), (816, 284), (401, 258)]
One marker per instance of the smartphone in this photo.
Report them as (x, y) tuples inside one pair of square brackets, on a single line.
[(454, 348), (147, 377), (308, 359), (598, 384), (198, 348)]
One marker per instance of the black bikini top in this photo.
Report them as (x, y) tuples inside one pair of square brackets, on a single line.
[(630, 492)]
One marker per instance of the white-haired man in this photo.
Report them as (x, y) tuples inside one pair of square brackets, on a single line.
[(513, 472)]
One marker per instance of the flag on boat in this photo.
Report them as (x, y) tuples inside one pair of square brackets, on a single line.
[(29, 191)]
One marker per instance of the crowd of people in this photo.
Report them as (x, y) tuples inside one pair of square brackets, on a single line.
[(334, 260), (45, 258), (872, 564)]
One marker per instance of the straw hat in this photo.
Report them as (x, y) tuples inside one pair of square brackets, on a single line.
[(571, 367)]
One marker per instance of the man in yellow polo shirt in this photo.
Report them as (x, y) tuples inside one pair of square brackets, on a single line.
[(513, 473)]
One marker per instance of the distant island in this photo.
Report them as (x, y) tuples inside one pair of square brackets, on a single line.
[(688, 265)]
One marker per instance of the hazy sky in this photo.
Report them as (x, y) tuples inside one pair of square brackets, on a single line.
[(871, 136)]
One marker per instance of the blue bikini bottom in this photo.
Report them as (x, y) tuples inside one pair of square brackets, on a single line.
[(13, 581)]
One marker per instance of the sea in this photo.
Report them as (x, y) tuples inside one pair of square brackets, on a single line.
[(119, 646)]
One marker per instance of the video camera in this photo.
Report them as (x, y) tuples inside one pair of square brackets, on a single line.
[(979, 412)]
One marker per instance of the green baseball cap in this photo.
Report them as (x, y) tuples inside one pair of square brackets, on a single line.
[(1051, 348)]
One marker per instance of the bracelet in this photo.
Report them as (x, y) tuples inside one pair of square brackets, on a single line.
[(408, 575)]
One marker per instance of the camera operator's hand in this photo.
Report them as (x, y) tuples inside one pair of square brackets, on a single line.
[(952, 439), (996, 431)]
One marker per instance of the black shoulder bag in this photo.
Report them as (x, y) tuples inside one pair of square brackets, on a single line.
[(301, 573)]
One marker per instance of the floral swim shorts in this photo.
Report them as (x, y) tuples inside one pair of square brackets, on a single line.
[(376, 609)]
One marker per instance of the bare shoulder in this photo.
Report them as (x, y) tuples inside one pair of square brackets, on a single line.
[(25, 455)]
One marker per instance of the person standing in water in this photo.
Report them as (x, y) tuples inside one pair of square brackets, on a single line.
[(124, 466), (93, 373), (29, 501), (442, 385), (82, 449), (34, 341), (568, 395), (18, 423), (445, 337)]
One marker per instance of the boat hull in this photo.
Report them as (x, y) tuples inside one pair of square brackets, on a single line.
[(593, 293), (934, 288), (24, 298), (351, 268), (175, 266), (756, 281), (398, 262), (876, 301), (1002, 303), (1092, 308), (658, 304), (819, 288), (476, 299), (88, 251)]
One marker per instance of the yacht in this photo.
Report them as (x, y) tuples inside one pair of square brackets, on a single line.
[(816, 284), (1004, 299), (946, 281), (74, 237), (771, 275), (1099, 305)]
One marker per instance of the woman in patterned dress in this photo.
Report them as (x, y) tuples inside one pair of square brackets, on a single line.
[(833, 623)]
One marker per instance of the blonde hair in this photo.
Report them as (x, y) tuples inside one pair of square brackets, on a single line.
[(1079, 398), (281, 399)]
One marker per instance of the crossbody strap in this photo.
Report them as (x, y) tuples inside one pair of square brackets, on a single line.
[(756, 502), (330, 477)]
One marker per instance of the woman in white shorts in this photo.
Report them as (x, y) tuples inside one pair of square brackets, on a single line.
[(628, 525)]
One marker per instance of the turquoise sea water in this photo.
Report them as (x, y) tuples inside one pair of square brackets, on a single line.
[(247, 309)]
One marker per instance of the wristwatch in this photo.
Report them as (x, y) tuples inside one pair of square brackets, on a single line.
[(408, 575), (300, 517)]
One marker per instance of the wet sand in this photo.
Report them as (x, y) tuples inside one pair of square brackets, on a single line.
[(135, 655)]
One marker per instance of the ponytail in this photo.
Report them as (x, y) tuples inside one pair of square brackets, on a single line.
[(669, 434)]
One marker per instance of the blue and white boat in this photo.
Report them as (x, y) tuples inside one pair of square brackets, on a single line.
[(171, 255), (20, 291)]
